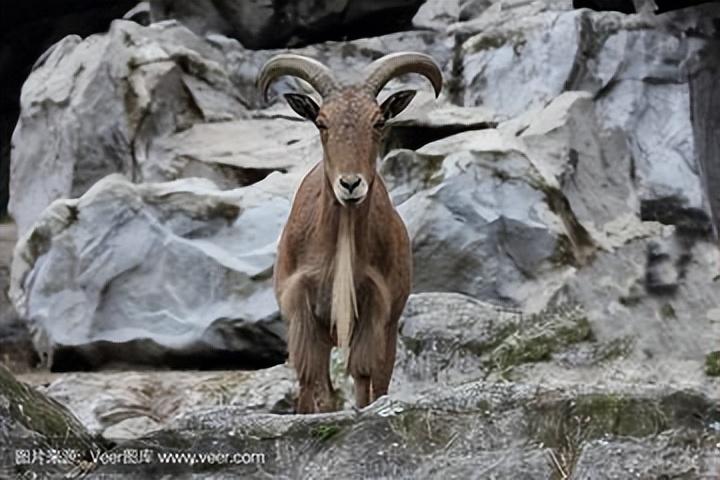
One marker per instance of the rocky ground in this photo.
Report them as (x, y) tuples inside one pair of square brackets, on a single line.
[(481, 393), (561, 198)]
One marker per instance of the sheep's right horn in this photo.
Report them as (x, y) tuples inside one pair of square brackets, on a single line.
[(310, 70)]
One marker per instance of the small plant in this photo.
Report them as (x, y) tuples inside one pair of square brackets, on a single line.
[(712, 364), (325, 432)]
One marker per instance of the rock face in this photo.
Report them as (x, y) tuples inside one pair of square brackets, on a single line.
[(511, 187), (256, 24), (487, 193), (175, 273), (101, 104), (705, 100), (561, 201), (554, 51), (175, 105), (27, 29)]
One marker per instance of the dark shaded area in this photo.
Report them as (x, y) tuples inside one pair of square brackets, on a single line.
[(628, 6), (27, 29), (288, 23), (247, 346), (673, 211), (624, 6), (16, 349), (668, 5), (145, 354), (705, 104), (413, 137), (657, 281)]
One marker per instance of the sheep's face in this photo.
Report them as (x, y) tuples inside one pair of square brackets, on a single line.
[(351, 124)]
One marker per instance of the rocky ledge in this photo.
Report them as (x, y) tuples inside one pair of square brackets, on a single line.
[(480, 391)]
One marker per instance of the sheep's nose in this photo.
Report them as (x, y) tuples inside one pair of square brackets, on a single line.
[(350, 182)]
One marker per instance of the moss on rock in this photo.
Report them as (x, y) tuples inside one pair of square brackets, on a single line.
[(712, 364), (537, 338)]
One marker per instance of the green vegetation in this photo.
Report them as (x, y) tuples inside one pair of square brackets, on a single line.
[(616, 348), (536, 339), (325, 432), (668, 312), (712, 364)]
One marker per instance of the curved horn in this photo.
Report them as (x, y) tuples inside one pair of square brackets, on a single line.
[(384, 69), (310, 70)]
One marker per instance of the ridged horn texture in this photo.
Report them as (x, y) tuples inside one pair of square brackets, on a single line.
[(384, 69), (315, 73)]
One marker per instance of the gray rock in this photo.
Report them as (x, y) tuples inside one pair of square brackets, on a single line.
[(470, 9), (704, 101), (175, 107), (438, 420), (657, 292), (235, 153), (29, 29), (121, 405), (97, 106), (174, 273), (255, 24), (592, 167), (471, 340), (671, 454), (546, 52), (30, 421), (478, 430), (437, 14), (472, 230)]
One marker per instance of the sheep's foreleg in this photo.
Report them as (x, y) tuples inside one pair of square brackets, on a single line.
[(368, 360), (309, 345)]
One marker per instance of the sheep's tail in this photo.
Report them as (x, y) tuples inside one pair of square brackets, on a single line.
[(344, 302)]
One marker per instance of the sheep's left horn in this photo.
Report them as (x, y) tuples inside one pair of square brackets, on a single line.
[(315, 73), (384, 69)]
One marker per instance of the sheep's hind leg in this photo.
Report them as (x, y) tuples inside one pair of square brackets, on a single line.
[(309, 346)]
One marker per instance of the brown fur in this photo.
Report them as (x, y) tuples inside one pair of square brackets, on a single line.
[(343, 273)]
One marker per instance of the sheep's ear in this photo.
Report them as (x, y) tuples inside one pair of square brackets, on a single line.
[(396, 103), (303, 105)]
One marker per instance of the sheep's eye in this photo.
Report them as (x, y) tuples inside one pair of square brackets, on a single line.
[(379, 124), (321, 125)]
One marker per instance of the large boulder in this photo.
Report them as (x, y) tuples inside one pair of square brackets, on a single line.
[(158, 274), (521, 58), (27, 30), (258, 24), (516, 208), (591, 166), (705, 103), (484, 204), (97, 106)]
